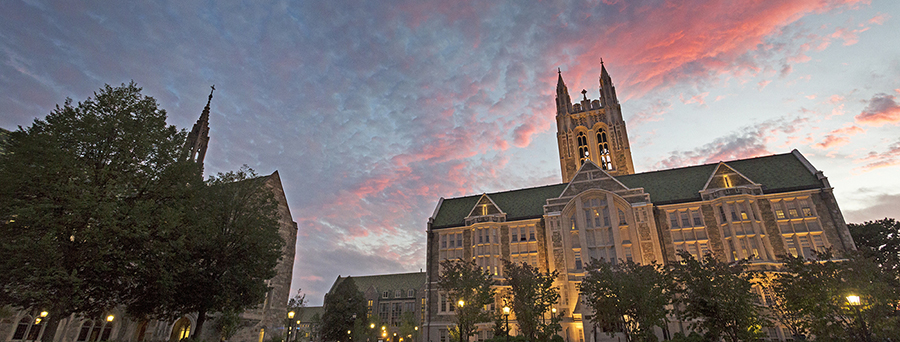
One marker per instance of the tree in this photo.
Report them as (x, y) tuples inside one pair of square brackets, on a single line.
[(716, 298), (80, 193), (533, 295), (467, 282), (227, 247), (343, 307), (639, 292), (818, 293), (879, 240)]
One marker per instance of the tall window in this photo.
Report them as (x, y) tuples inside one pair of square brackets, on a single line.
[(743, 233), (29, 329), (799, 227), (603, 147), (523, 245), (583, 153), (599, 234), (100, 331), (688, 232)]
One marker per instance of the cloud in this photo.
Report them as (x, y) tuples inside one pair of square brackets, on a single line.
[(881, 109), (747, 142), (839, 137), (875, 160), (875, 207)]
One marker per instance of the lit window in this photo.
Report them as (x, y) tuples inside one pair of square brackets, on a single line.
[(727, 181), (603, 147), (583, 153), (779, 213)]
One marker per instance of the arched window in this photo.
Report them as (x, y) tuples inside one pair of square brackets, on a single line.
[(583, 153), (603, 148), (22, 328)]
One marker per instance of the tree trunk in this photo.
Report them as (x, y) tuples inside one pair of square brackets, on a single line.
[(50, 326), (201, 318)]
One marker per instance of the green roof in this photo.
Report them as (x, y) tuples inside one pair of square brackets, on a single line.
[(517, 204), (386, 282), (776, 173)]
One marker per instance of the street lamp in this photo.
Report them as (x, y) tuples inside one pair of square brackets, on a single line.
[(854, 301), (290, 326), (506, 314), (461, 304)]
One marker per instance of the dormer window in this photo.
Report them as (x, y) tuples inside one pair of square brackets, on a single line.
[(484, 210), (727, 181)]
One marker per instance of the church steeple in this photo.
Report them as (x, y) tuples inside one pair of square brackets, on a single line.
[(198, 139), (563, 101), (592, 129)]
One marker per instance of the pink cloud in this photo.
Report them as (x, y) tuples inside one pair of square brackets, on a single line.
[(881, 109), (839, 137), (762, 84), (811, 97), (879, 19), (698, 50), (748, 142), (875, 160)]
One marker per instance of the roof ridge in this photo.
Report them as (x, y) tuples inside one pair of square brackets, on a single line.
[(707, 164), (504, 191)]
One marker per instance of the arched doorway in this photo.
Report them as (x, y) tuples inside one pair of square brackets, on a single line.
[(181, 329)]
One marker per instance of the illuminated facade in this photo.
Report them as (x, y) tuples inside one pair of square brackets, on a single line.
[(753, 209)]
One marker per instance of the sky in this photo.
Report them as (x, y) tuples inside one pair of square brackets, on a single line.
[(371, 111)]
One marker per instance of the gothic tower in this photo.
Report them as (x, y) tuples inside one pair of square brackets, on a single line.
[(198, 139), (592, 130)]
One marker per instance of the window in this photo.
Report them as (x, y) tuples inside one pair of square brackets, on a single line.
[(385, 294), (697, 221), (727, 181), (603, 148), (583, 153), (779, 214), (411, 293), (398, 293)]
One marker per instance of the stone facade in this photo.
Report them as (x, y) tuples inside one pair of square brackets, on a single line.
[(755, 209)]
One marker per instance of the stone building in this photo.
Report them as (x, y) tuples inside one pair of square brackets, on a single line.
[(257, 325), (754, 209), (394, 302)]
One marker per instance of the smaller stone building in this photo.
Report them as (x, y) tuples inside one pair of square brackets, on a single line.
[(394, 302)]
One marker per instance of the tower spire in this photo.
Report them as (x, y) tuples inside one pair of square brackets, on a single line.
[(563, 101), (198, 139)]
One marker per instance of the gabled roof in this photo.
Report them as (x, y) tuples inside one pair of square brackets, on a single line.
[(518, 205), (776, 173), (386, 282)]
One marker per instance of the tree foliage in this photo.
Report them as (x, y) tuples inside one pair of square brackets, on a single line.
[(464, 280), (817, 292), (228, 247), (533, 295), (99, 208), (879, 240), (639, 292), (80, 193), (717, 298), (343, 307)]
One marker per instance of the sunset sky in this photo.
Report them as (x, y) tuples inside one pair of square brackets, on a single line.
[(373, 110)]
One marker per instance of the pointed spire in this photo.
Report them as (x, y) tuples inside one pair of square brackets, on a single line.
[(198, 139), (559, 83)]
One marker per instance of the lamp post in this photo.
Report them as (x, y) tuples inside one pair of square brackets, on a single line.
[(460, 304), (506, 314), (290, 326), (854, 301)]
